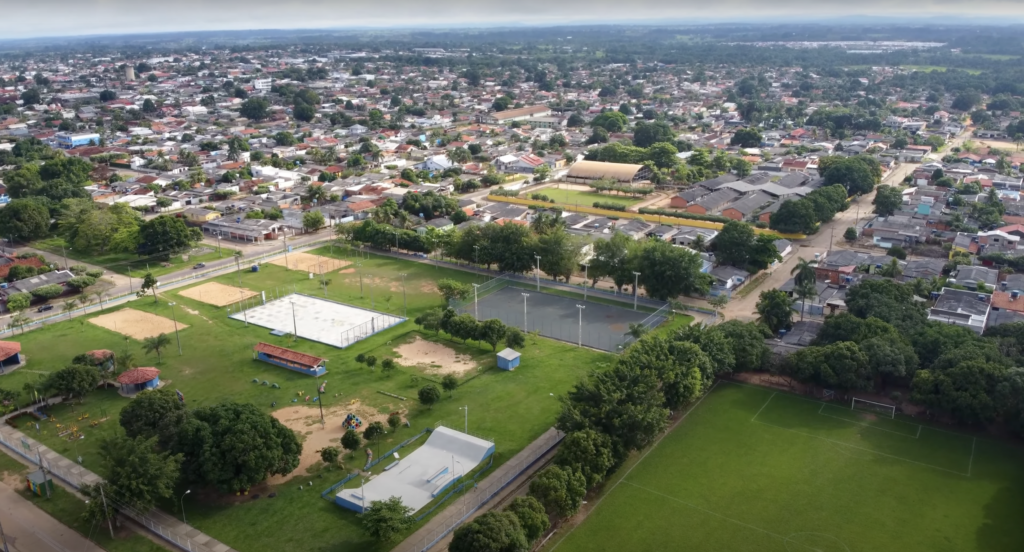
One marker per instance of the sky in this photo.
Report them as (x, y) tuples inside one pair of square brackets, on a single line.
[(52, 18)]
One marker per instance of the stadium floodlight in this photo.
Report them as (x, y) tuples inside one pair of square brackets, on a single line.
[(874, 407)]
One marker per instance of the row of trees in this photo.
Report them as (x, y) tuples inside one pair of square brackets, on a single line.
[(886, 341), (802, 216), (465, 327)]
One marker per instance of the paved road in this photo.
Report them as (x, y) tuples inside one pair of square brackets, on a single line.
[(30, 529), (858, 214)]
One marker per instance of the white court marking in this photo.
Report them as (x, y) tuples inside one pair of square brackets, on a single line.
[(318, 319), (783, 538), (821, 413)]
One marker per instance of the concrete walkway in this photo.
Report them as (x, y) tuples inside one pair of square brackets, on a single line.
[(29, 529), (184, 536)]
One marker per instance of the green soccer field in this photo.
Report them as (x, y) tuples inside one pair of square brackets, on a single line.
[(565, 196), (750, 469)]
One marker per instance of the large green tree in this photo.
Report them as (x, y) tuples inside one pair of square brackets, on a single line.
[(775, 309), (587, 452), (24, 220), (156, 413), (385, 520), (494, 531), (234, 446), (887, 200), (667, 271), (138, 472), (531, 515), (165, 235), (255, 109), (560, 490), (73, 381), (747, 342)]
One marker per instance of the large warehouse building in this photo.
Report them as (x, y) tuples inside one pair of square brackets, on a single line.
[(585, 172)]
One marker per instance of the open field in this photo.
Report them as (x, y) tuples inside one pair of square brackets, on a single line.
[(752, 469), (217, 294), (217, 365), (930, 68), (123, 263), (573, 194), (136, 324)]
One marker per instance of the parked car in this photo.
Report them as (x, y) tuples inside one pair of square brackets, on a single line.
[(44, 308), (199, 265)]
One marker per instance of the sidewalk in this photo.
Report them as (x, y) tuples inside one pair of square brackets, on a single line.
[(172, 530), (522, 465), (29, 529)]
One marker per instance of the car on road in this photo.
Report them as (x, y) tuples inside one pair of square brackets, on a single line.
[(198, 265), (45, 308)]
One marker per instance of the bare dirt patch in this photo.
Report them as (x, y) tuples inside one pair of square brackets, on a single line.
[(309, 263), (305, 420), (136, 324), (433, 358), (196, 313), (216, 294), (347, 271), (429, 287)]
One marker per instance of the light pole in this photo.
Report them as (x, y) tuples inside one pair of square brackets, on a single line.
[(295, 325), (581, 307), (538, 272), (405, 304), (358, 267), (525, 295), (285, 234), (476, 309), (466, 409), (396, 241), (65, 253), (183, 520), (244, 316), (636, 292), (586, 280), (218, 245), (175, 318), (476, 255)]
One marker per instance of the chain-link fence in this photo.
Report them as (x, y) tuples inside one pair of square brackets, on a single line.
[(459, 511)]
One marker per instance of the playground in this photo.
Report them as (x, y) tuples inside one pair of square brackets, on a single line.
[(318, 319), (317, 264), (136, 324), (433, 358), (305, 420), (217, 294), (604, 326)]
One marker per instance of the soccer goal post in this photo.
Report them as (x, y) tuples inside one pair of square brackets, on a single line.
[(870, 406)]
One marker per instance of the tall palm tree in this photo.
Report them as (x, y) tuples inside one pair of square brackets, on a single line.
[(699, 243), (85, 299), (99, 295), (803, 272), (636, 331), (805, 291), (125, 360), (156, 344), (238, 266), (20, 321), (892, 270), (69, 307)]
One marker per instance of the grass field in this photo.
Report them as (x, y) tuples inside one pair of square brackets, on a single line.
[(750, 469), (122, 263), (930, 68), (512, 407), (566, 196)]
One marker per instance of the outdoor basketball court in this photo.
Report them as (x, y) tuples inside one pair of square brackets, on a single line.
[(604, 326), (318, 320)]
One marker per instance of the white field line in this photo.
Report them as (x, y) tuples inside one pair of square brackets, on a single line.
[(764, 405)]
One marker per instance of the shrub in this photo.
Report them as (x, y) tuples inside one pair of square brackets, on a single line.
[(609, 206), (684, 215), (94, 273), (361, 358), (81, 282), (78, 270), (48, 292)]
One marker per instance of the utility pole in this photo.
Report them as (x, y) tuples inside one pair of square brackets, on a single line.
[(525, 295), (109, 525), (636, 292), (405, 303), (586, 280), (538, 272), (581, 307), (175, 318), (476, 309)]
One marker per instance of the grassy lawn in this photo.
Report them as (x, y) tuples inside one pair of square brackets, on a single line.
[(751, 469), (122, 263), (512, 407), (566, 196), (930, 68)]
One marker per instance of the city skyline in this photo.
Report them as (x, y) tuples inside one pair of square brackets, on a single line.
[(118, 17)]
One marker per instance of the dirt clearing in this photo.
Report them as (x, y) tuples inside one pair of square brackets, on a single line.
[(136, 324), (433, 358), (218, 295), (305, 420), (309, 263)]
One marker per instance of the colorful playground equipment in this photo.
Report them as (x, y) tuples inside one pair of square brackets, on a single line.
[(351, 422)]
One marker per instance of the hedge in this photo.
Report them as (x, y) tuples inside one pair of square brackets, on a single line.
[(610, 206), (685, 215)]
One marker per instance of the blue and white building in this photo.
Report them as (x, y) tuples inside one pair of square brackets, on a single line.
[(67, 140)]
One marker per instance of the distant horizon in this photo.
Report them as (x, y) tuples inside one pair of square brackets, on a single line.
[(67, 19)]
